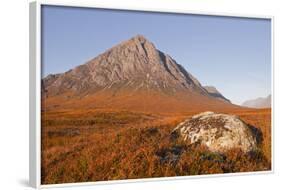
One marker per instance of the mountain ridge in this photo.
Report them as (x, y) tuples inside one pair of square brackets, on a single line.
[(215, 93), (261, 102)]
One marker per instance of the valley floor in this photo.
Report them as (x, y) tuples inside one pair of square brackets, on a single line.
[(95, 145)]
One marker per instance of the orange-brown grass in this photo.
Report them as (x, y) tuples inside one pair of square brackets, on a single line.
[(138, 101), (262, 120), (98, 144)]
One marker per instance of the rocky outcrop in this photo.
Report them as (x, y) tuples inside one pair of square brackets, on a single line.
[(218, 132)]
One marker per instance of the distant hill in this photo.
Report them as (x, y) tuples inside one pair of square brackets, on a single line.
[(132, 75), (258, 103)]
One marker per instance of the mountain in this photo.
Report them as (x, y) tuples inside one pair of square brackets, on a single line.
[(134, 64), (215, 93), (258, 102), (131, 75)]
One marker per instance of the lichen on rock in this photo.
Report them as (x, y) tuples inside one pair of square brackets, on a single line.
[(219, 132)]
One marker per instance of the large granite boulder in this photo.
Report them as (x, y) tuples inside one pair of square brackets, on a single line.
[(218, 132)]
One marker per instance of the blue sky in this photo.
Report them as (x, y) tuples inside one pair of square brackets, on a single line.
[(232, 54)]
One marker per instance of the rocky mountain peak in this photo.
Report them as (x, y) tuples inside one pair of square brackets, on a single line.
[(141, 46), (134, 65), (140, 38)]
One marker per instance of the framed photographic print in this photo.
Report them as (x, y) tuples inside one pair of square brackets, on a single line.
[(130, 94)]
